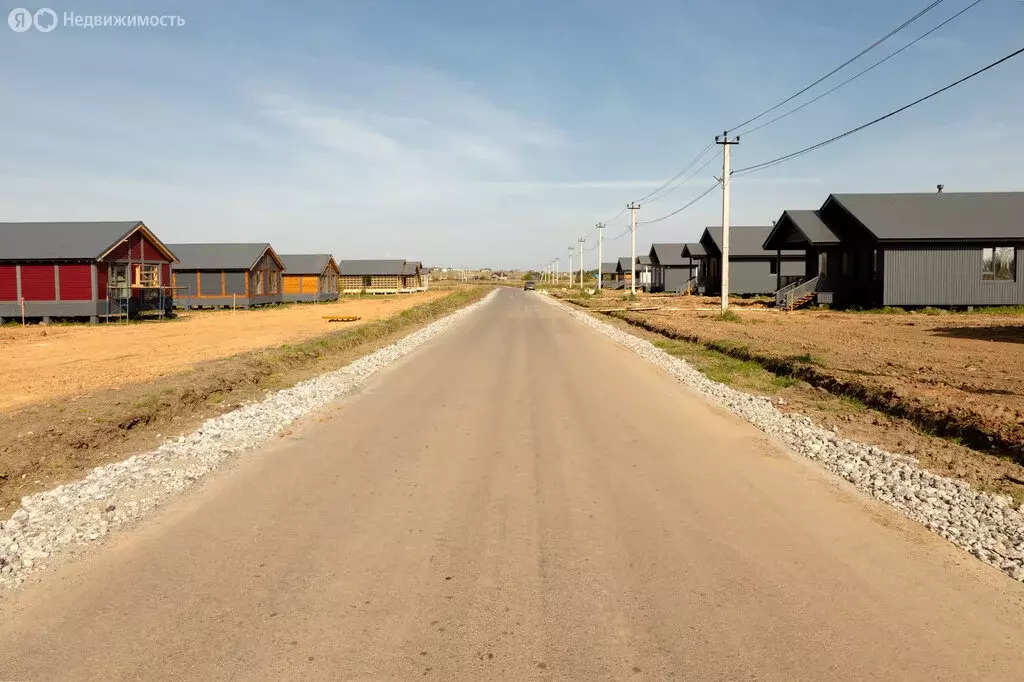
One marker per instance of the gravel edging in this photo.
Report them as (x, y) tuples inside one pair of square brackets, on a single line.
[(985, 525), (75, 514)]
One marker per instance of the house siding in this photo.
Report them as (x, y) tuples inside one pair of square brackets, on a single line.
[(674, 279), (75, 282), (945, 275), (751, 276)]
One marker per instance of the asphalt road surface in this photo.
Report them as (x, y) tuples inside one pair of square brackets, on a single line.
[(520, 499)]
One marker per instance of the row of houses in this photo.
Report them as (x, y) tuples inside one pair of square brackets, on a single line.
[(105, 269), (871, 250)]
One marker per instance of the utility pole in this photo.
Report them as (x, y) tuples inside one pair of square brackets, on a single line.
[(633, 207), (726, 172), (581, 240), (600, 256), (570, 266), (556, 272)]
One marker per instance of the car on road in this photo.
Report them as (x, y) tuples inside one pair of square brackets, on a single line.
[(530, 285)]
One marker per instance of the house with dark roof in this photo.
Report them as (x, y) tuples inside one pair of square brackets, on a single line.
[(920, 249), (697, 255), (609, 276), (671, 271), (309, 277), (83, 270), (753, 269), (227, 275), (381, 276)]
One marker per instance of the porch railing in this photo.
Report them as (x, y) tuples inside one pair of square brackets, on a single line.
[(788, 296)]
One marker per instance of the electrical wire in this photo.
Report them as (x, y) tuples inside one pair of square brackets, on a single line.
[(842, 66), (782, 159), (676, 176), (692, 175), (682, 208), (861, 73)]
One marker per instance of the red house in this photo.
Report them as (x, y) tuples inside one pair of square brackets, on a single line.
[(85, 269)]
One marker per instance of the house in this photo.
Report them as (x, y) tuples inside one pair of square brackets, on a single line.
[(412, 277), (381, 276), (644, 272), (623, 270), (753, 269), (83, 269), (309, 277), (920, 249), (228, 275), (695, 254), (671, 270)]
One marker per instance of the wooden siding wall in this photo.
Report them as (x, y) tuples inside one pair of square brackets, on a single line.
[(8, 282), (75, 281), (211, 283), (946, 276), (38, 282)]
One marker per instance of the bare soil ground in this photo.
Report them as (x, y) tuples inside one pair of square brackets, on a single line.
[(968, 368), (52, 441), (40, 363)]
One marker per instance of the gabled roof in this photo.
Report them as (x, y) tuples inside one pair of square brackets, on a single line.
[(937, 216), (643, 260), (624, 264), (668, 254), (796, 228), (70, 241), (609, 268), (745, 241), (694, 250), (222, 256), (411, 267), (361, 268), (307, 263)]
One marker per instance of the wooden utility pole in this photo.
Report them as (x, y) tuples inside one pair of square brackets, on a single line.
[(633, 207), (726, 172)]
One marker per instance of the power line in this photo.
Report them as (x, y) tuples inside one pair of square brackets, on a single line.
[(819, 145), (674, 177), (684, 207), (861, 73), (842, 66), (693, 174)]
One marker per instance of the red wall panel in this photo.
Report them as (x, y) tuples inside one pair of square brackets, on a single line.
[(139, 246), (75, 282), (136, 245), (165, 275), (8, 282), (102, 277), (119, 253), (37, 283)]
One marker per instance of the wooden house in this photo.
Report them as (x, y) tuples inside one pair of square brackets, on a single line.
[(309, 277), (214, 275), (82, 270), (381, 276)]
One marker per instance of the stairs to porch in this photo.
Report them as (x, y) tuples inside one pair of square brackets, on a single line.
[(797, 295)]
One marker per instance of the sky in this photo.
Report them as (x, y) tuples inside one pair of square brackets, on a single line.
[(490, 133)]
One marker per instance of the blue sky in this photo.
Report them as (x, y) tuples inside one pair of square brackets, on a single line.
[(491, 132)]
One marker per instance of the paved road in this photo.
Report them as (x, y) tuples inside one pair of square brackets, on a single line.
[(522, 499)]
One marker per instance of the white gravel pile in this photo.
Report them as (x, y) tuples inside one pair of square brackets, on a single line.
[(985, 525), (116, 494)]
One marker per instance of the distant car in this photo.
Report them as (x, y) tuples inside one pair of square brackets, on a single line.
[(530, 286)]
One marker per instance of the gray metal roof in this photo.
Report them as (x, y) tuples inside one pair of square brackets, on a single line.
[(808, 223), (305, 263), (668, 254), (65, 241), (362, 268), (643, 260), (411, 267), (935, 216), (219, 256), (624, 264), (609, 268), (745, 241), (694, 250)]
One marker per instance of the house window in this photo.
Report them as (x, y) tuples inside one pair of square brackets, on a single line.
[(998, 264), (272, 277), (773, 268), (367, 281), (823, 264), (258, 283), (119, 279), (147, 275)]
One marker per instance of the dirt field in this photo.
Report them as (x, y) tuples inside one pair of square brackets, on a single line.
[(967, 366), (42, 363)]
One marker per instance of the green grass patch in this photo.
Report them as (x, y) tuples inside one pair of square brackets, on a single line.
[(729, 316)]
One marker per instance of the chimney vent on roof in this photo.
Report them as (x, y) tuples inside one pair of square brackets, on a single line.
[(941, 187)]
